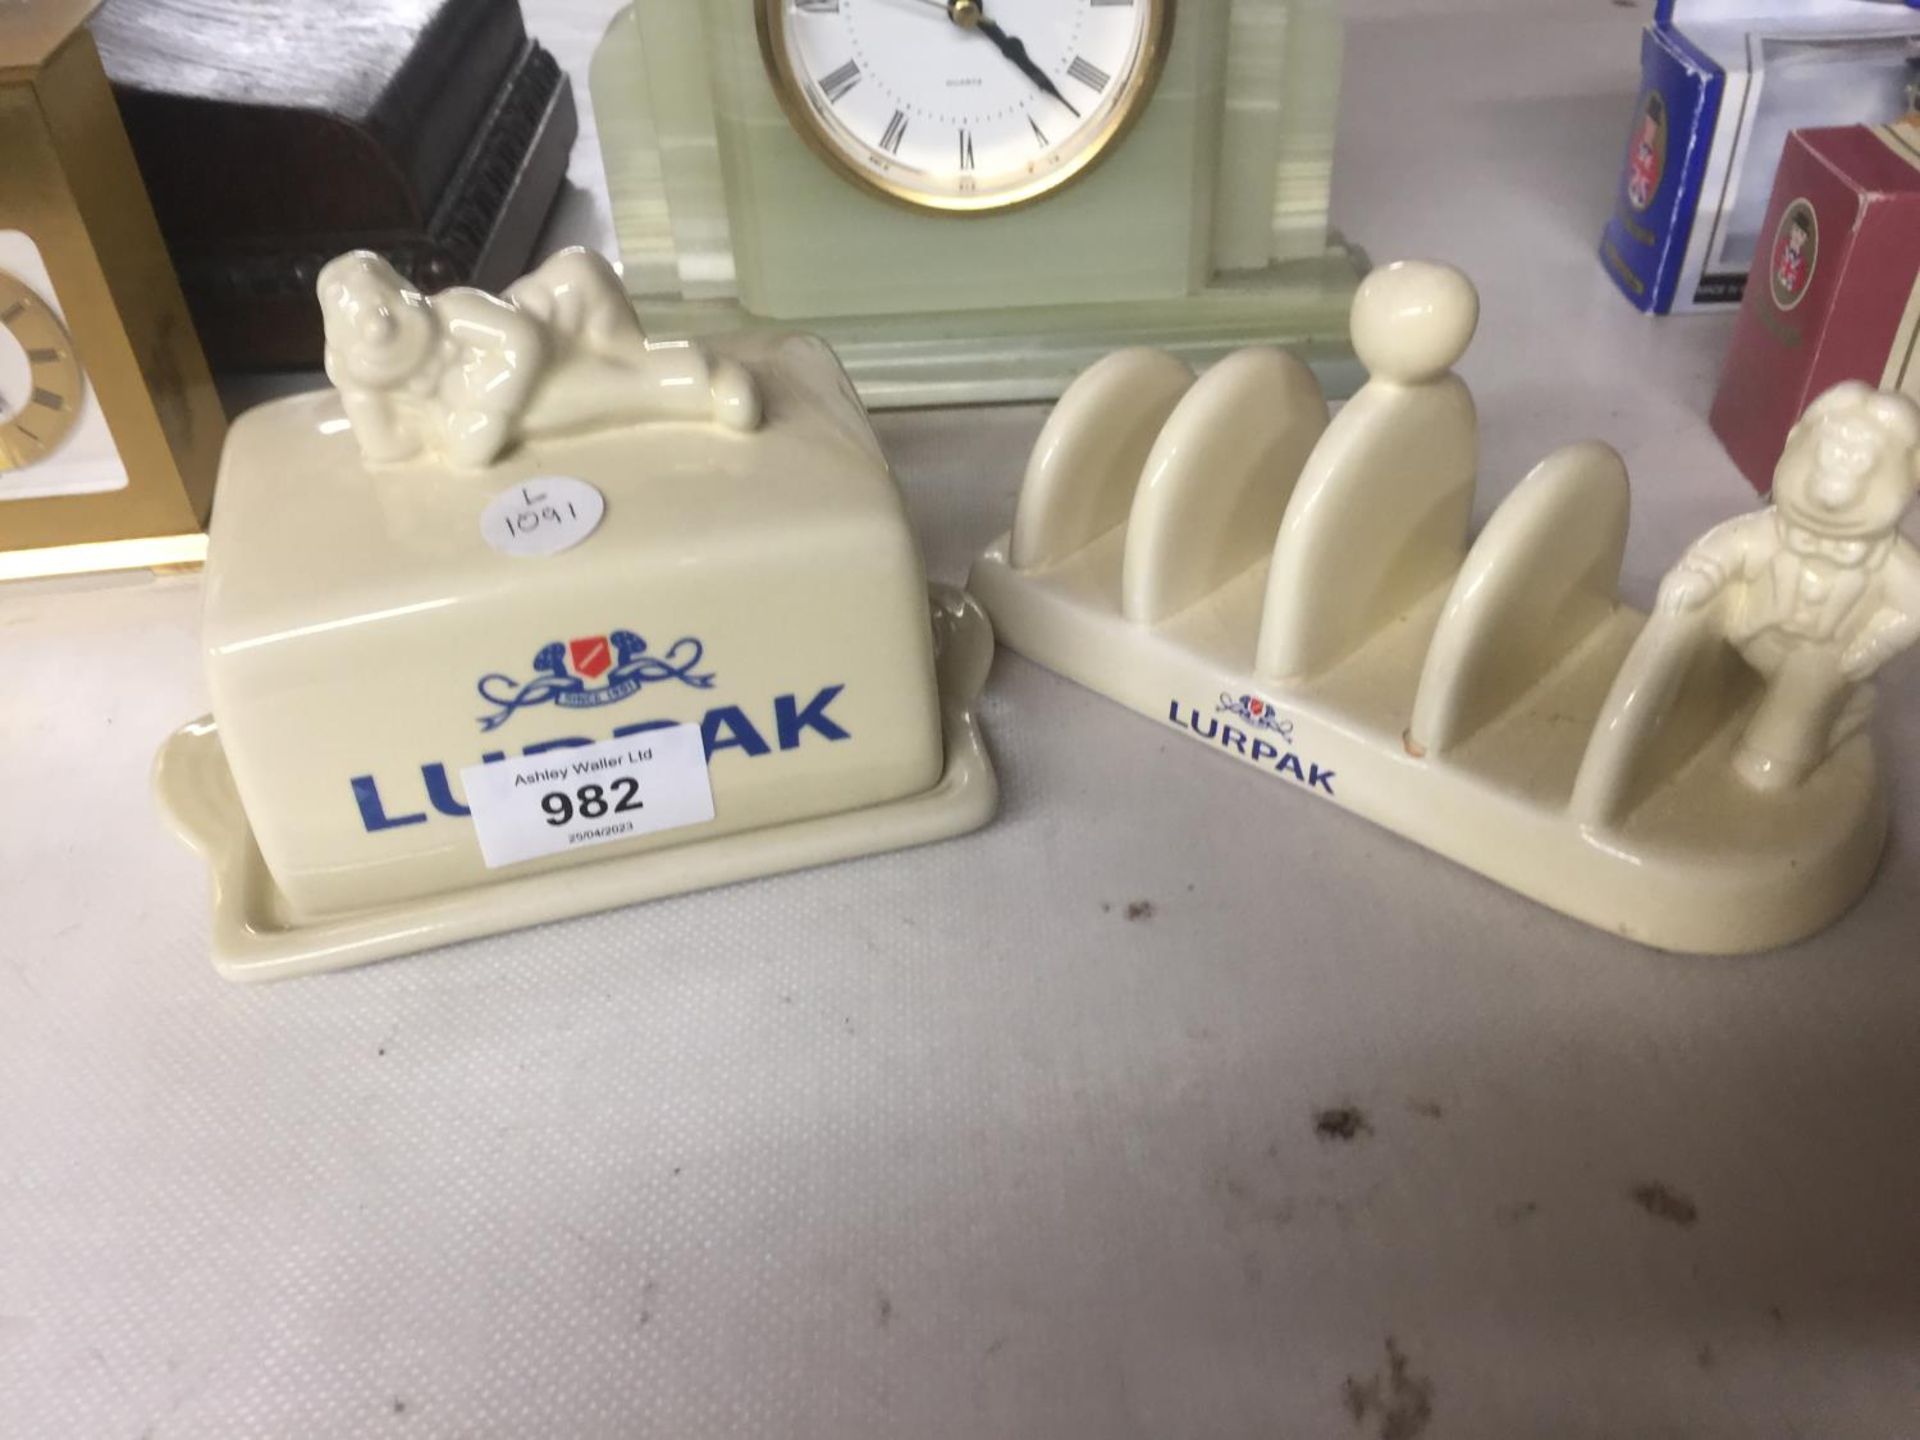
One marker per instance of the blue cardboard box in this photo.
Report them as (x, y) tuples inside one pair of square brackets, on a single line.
[(1722, 83)]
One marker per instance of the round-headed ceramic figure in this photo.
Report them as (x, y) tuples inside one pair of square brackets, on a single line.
[(1821, 590), (463, 375)]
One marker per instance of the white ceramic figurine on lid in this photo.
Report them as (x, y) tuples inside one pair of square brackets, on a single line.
[(464, 374)]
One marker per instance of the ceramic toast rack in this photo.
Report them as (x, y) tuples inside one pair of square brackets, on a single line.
[(1298, 593), (533, 616)]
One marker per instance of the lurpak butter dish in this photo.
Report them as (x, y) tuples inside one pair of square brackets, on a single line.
[(532, 616)]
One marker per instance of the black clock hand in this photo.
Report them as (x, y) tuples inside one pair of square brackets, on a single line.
[(1011, 47), (968, 15)]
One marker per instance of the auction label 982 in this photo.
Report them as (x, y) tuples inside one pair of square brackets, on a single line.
[(565, 799)]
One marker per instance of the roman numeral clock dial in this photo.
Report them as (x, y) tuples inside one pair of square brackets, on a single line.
[(40, 381), (963, 105)]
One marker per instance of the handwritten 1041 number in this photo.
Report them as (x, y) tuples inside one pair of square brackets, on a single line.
[(525, 522)]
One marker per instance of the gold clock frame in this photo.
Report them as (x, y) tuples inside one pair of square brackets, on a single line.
[(789, 89), (26, 315), (70, 185)]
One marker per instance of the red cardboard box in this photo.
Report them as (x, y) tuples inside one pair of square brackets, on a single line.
[(1834, 294)]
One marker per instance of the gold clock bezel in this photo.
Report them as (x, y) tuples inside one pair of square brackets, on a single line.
[(789, 89), (38, 330)]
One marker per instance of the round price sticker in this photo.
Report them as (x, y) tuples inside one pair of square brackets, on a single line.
[(542, 516)]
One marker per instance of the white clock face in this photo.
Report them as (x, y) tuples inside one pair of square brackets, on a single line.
[(40, 381), (54, 438), (963, 104)]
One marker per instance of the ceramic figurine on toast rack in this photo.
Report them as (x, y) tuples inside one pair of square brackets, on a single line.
[(464, 374), (1820, 590), (1299, 592)]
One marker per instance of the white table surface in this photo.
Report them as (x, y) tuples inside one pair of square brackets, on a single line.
[(942, 1143)]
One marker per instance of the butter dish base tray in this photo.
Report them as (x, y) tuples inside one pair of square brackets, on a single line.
[(1298, 591), (255, 937)]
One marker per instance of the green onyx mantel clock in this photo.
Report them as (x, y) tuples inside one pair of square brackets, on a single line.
[(974, 199)]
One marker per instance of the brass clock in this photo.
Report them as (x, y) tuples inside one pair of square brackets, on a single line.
[(963, 105), (110, 428), (41, 386)]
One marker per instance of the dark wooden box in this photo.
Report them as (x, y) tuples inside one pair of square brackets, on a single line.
[(274, 134)]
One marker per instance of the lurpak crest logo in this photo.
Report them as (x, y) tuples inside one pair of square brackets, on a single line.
[(595, 670), (1257, 712)]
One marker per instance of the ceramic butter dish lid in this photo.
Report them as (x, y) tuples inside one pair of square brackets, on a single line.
[(528, 593)]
